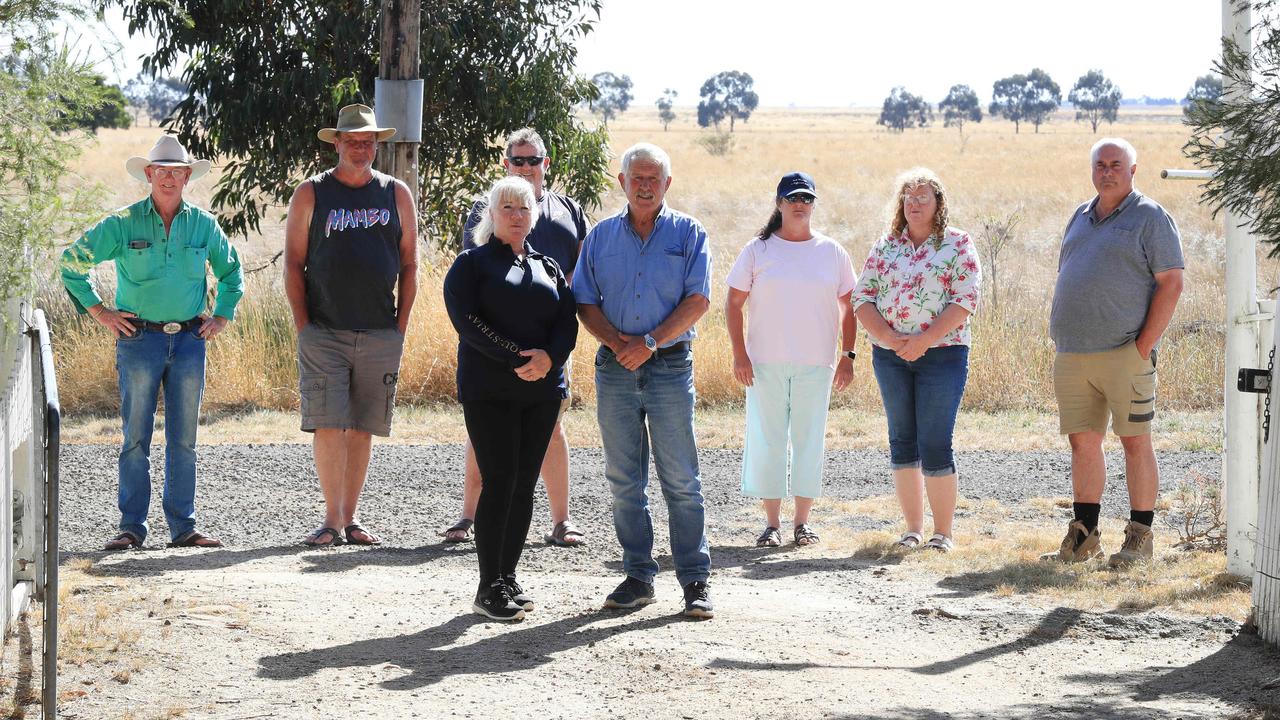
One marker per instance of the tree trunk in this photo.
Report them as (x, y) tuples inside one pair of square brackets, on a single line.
[(401, 32)]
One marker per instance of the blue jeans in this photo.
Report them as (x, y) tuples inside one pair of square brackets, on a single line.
[(145, 362), (658, 394), (921, 399)]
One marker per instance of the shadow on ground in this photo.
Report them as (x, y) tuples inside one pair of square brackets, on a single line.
[(143, 563), (427, 660)]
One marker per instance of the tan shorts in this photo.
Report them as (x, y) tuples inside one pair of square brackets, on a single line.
[(1089, 386)]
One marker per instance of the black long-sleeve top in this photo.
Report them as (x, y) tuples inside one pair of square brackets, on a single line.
[(500, 305)]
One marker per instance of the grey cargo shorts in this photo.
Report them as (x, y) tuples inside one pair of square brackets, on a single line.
[(347, 378)]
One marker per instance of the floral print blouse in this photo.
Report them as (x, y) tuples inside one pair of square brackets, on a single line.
[(910, 287)]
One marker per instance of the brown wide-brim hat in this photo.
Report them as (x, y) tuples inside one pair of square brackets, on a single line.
[(168, 152), (355, 118)]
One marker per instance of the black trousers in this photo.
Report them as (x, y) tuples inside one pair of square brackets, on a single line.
[(510, 439)]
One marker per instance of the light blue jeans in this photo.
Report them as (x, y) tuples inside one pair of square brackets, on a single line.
[(786, 421), (653, 403), (145, 362)]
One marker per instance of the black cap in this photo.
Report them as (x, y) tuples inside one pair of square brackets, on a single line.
[(796, 182)]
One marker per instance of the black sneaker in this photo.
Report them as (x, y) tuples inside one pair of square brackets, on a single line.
[(517, 593), (697, 600), (494, 602), (630, 594)]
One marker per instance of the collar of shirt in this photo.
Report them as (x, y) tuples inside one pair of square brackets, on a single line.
[(932, 242), (664, 213), (507, 251), (1129, 199)]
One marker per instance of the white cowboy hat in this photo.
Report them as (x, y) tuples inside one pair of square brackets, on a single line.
[(167, 152), (355, 118)]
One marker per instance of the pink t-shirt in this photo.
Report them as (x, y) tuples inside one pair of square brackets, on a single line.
[(792, 311)]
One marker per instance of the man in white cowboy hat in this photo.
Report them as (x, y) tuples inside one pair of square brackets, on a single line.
[(350, 274), (162, 247)]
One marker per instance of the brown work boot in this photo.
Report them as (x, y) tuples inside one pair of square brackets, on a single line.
[(1074, 549), (1137, 546)]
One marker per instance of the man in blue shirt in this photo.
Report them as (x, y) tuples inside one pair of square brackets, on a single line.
[(641, 283)]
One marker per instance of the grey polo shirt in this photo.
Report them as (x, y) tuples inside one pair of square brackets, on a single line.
[(1106, 273)]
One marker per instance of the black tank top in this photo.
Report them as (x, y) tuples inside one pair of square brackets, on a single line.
[(353, 254)]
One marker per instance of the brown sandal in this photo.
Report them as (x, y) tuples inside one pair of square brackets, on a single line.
[(195, 538), (460, 532), (804, 535), (771, 537), (124, 541), (565, 534)]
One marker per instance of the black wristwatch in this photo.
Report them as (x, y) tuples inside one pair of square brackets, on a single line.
[(851, 354)]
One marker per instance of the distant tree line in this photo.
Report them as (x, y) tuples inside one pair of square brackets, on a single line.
[(1027, 98), (1032, 98)]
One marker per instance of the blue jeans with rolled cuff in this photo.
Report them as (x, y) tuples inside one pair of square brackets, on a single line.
[(146, 363), (921, 399), (653, 403)]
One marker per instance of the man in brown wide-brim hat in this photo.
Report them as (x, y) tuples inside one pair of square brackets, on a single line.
[(351, 277), (163, 248)]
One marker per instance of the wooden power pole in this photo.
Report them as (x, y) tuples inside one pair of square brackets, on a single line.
[(401, 30)]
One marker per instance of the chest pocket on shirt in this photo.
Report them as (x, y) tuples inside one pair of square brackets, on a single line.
[(670, 271), (140, 264), (193, 262)]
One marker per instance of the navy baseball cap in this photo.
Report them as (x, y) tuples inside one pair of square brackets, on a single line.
[(796, 182)]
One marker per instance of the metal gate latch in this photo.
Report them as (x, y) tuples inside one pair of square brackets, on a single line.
[(1253, 380)]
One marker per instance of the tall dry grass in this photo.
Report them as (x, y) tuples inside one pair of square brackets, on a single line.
[(990, 172)]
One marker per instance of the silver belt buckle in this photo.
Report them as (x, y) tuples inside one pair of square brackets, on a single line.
[(172, 328)]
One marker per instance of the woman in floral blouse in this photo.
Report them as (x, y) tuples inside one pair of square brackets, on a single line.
[(914, 297)]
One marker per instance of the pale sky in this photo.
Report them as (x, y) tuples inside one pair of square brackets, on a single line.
[(838, 53), (834, 53)]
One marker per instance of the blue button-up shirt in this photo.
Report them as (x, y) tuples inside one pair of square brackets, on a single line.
[(638, 282)]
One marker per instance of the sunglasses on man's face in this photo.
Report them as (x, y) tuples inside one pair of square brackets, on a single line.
[(800, 198), (522, 160)]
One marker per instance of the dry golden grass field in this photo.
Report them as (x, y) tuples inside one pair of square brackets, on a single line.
[(991, 173)]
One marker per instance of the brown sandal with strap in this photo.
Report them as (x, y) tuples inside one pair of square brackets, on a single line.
[(124, 541), (804, 535), (565, 534), (460, 532)]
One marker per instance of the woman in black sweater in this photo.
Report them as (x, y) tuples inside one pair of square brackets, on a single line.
[(517, 324)]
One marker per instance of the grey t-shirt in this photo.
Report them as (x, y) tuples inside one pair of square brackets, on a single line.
[(1106, 273)]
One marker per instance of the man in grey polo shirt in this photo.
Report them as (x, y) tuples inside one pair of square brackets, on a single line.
[(1119, 278)]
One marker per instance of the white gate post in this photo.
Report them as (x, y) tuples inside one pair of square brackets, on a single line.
[(1242, 442)]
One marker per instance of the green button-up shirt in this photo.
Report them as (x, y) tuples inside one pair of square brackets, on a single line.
[(158, 278)]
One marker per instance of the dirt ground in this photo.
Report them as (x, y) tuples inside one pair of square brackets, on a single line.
[(285, 633), (267, 629)]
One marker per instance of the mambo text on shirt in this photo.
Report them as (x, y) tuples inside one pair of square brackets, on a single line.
[(340, 219)]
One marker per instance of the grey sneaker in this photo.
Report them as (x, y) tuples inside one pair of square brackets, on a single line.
[(632, 593), (1078, 546), (1137, 546), (697, 600)]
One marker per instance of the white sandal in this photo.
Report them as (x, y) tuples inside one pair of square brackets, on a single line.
[(909, 541), (940, 542)]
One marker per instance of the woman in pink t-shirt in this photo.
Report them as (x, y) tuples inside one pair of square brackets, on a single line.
[(796, 285), (915, 294)]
